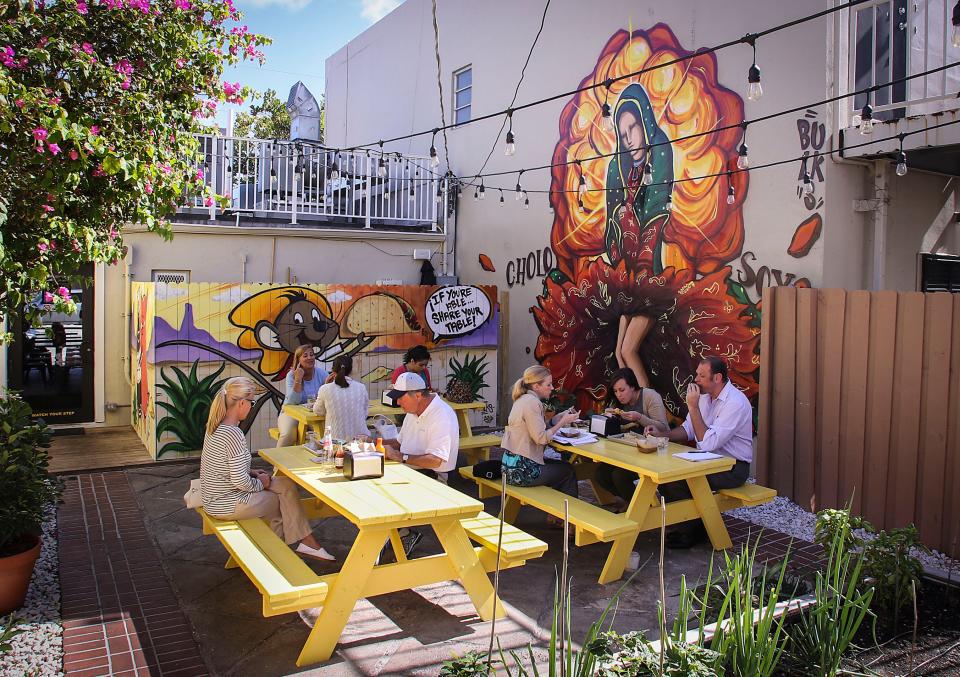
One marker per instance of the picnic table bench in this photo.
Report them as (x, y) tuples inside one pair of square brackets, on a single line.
[(379, 508), (594, 524)]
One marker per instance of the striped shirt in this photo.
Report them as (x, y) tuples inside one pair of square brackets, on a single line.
[(345, 408), (225, 471)]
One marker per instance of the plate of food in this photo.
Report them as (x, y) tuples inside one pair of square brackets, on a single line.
[(572, 433)]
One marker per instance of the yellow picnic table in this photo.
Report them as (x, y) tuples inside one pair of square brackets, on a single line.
[(654, 469), (306, 418), (379, 507)]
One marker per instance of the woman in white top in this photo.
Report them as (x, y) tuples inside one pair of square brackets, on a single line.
[(344, 402), (232, 490)]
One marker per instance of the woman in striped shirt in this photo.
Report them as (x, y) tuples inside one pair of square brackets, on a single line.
[(232, 490)]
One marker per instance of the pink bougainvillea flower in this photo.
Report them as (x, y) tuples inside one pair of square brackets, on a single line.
[(47, 208), (94, 130), (63, 293), (182, 4), (199, 176), (74, 155), (114, 233), (125, 84), (87, 47), (7, 57), (166, 168), (123, 66), (53, 148), (40, 134), (55, 101), (19, 103), (82, 7), (47, 296), (76, 245), (181, 63), (43, 247), (99, 171), (208, 202), (148, 188)]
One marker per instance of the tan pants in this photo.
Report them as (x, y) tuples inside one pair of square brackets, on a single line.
[(281, 505), (289, 429)]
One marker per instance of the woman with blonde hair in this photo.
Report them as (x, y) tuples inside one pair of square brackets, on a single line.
[(303, 383), (527, 434), (232, 490)]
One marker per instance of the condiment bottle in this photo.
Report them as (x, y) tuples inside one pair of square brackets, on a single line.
[(338, 458), (380, 448)]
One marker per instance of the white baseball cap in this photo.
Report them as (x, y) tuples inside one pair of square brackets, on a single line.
[(407, 381)]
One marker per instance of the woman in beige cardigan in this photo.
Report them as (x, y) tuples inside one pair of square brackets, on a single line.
[(527, 434)]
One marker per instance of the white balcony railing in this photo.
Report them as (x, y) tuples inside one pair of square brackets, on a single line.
[(308, 185), (888, 40)]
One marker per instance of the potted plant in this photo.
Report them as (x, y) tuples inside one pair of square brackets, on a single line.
[(27, 490)]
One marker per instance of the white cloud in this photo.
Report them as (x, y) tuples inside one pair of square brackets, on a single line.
[(231, 295), (166, 291), (339, 296), (374, 10), (292, 5)]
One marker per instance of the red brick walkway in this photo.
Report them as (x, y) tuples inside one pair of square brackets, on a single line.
[(120, 616)]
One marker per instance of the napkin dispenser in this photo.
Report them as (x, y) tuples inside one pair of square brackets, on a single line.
[(388, 401), (604, 425), (363, 465)]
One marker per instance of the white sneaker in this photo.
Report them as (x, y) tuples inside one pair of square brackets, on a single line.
[(634, 562), (309, 616), (316, 553)]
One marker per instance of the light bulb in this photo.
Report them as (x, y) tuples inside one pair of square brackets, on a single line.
[(476, 196), (866, 119), (411, 193), (439, 196), (606, 118), (386, 194), (483, 194), (807, 184), (647, 174), (553, 211), (526, 201), (518, 193), (583, 209), (855, 120), (901, 163), (501, 198), (511, 146), (582, 188), (731, 196), (670, 201), (743, 162), (382, 169), (754, 88), (434, 158)]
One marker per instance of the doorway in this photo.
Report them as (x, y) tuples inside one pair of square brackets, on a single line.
[(52, 365)]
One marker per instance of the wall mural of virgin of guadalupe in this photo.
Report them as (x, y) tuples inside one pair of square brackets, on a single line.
[(643, 277)]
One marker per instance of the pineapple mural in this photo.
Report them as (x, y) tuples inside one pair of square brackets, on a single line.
[(466, 379)]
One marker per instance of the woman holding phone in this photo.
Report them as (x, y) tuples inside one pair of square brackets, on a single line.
[(527, 434)]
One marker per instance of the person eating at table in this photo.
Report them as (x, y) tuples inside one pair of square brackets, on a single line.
[(343, 402), (719, 420), (429, 438), (415, 361), (303, 384), (642, 406), (231, 490), (527, 435)]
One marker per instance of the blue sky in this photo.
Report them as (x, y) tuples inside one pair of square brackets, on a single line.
[(305, 33)]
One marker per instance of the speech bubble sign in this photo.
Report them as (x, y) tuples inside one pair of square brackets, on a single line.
[(456, 311)]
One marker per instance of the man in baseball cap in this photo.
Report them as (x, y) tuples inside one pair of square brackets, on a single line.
[(430, 436)]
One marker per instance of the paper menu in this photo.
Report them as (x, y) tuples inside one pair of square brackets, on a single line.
[(697, 455)]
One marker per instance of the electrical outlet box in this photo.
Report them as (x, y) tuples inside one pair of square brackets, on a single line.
[(422, 254)]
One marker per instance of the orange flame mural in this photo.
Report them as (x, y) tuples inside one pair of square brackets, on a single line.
[(642, 276)]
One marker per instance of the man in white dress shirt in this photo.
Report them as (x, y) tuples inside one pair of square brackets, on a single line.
[(719, 419), (430, 436)]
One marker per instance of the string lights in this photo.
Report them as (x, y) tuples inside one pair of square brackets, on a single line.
[(754, 88), (519, 190), (381, 164), (648, 172), (743, 161), (731, 194), (511, 146), (901, 159), (434, 158)]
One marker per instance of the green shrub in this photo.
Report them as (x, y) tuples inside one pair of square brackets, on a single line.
[(8, 630), (26, 487)]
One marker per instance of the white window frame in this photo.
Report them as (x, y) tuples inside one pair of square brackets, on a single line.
[(469, 106)]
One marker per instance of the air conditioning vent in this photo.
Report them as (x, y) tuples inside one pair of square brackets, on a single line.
[(171, 276)]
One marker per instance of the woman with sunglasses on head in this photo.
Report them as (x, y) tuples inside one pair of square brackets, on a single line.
[(232, 490), (303, 383)]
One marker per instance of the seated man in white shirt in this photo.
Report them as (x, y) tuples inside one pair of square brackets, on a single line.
[(430, 436), (719, 419)]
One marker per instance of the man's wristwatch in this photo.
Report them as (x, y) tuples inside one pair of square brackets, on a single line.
[(404, 457)]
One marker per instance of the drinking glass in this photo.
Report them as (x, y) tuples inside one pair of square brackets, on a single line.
[(663, 444)]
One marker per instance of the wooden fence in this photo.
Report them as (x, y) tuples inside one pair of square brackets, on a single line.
[(859, 397)]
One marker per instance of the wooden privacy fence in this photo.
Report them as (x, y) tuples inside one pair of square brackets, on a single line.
[(859, 397)]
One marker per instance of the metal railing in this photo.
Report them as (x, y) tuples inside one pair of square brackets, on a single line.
[(310, 185), (892, 39)]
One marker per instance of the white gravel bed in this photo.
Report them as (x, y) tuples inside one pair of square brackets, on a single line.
[(39, 650), (787, 517)]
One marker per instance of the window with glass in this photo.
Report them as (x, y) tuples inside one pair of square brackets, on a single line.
[(462, 94)]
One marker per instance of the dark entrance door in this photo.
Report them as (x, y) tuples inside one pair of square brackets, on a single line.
[(52, 365)]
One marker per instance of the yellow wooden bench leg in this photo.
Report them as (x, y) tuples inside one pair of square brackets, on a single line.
[(346, 589), (473, 576), (397, 545), (511, 509), (709, 512), (622, 546), (231, 563)]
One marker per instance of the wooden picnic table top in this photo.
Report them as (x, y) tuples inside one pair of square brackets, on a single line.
[(303, 413), (401, 497), (659, 468)]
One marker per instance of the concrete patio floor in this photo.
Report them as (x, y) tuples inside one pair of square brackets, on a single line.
[(408, 633)]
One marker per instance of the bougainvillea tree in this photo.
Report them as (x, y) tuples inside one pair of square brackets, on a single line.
[(99, 101)]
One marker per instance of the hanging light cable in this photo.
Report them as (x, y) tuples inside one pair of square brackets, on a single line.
[(511, 147), (501, 197), (381, 164), (754, 88)]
